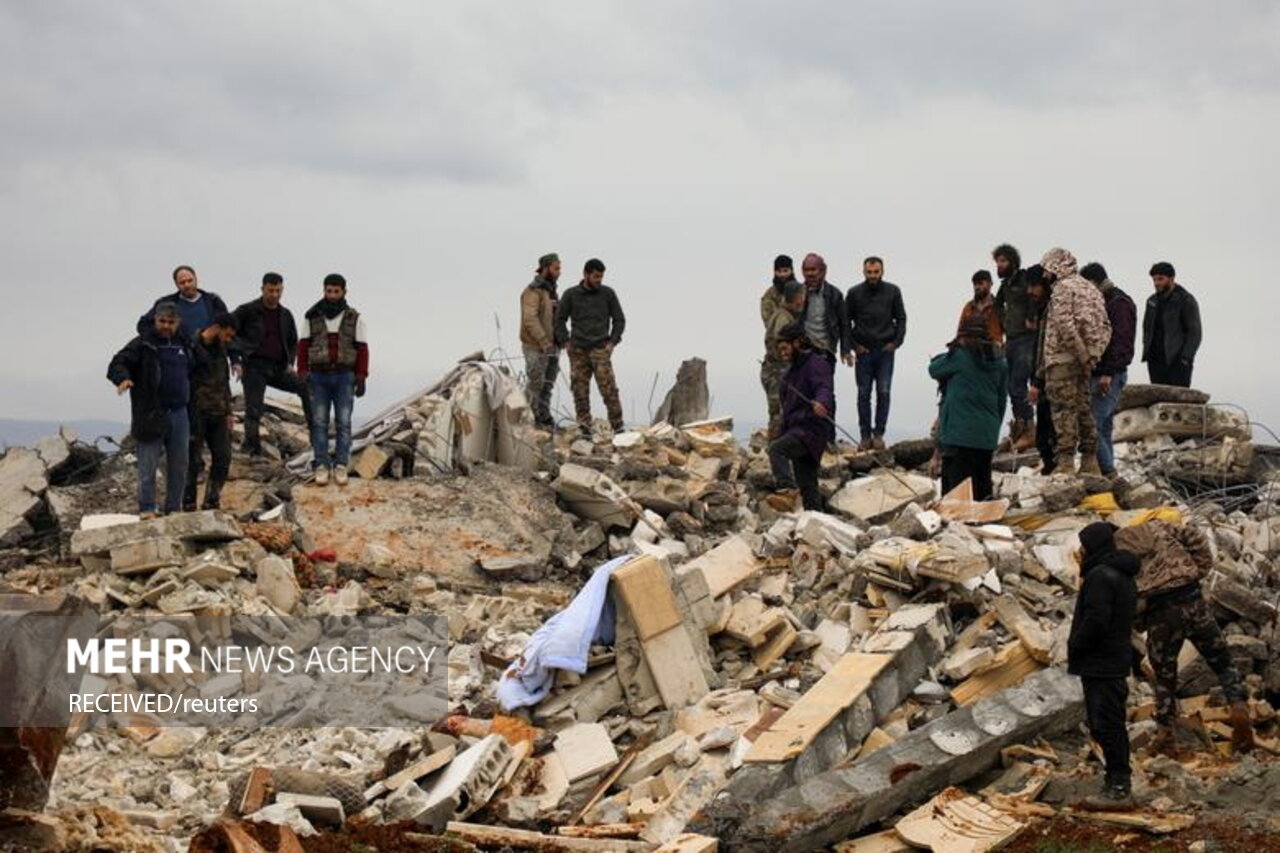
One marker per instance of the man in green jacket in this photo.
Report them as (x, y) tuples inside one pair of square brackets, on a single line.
[(974, 381), (593, 311)]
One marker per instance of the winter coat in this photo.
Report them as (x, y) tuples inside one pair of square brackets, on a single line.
[(139, 361), (781, 318), (538, 313), (1174, 556), (1180, 314), (596, 316), (808, 380), (1018, 314), (835, 319), (974, 395), (1123, 316), (210, 378), (876, 315), (250, 330), (148, 320), (1077, 330), (990, 317), (770, 301), (1099, 645)]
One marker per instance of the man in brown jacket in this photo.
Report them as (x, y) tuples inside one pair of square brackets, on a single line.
[(1175, 558), (537, 335)]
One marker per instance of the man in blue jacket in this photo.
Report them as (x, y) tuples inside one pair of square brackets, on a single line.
[(808, 415)]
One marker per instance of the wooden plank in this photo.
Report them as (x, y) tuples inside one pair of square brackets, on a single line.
[(646, 591), (690, 842), (751, 621), (886, 841), (958, 823), (834, 692), (603, 786), (602, 830), (774, 647), (673, 663), (524, 839), (1018, 666), (412, 773), (1020, 623), (255, 791)]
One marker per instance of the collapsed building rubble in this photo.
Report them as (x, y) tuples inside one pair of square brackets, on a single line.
[(644, 654)]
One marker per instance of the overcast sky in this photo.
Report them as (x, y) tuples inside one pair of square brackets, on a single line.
[(431, 153)]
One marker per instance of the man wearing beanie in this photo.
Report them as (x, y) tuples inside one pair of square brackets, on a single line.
[(777, 312), (538, 338), (808, 417), (1100, 653)]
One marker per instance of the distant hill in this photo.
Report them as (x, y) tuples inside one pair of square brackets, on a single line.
[(18, 433)]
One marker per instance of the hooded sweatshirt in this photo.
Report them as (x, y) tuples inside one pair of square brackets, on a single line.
[(1099, 643), (1077, 330)]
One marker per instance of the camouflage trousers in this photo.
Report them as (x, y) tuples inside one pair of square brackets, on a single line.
[(1067, 388), (584, 364), (771, 370), (540, 372), (1168, 624)]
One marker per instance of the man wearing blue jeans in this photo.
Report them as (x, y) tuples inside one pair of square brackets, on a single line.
[(333, 359), (1112, 372), (155, 368), (878, 325), (1020, 319)]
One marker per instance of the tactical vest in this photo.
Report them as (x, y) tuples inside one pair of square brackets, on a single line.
[(318, 348)]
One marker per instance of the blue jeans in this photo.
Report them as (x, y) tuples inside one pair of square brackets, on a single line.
[(1104, 414), (338, 389), (1020, 352), (873, 366), (176, 447)]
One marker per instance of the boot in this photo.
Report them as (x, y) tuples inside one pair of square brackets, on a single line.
[(212, 496), (783, 500), (1116, 796), (865, 444), (1065, 462), (1241, 728), (1089, 464), (1026, 439), (1164, 741)]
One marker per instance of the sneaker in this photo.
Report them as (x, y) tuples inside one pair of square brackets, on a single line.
[(322, 476), (866, 443), (877, 442), (340, 474), (148, 515)]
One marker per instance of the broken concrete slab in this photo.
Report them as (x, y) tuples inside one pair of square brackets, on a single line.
[(585, 749), (148, 555), (468, 782), (19, 467), (593, 496), (836, 804), (1140, 396), (278, 584), (880, 496), (206, 526), (689, 399), (1180, 420), (725, 566)]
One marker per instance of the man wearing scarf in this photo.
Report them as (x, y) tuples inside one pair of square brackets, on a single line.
[(537, 337), (776, 314), (334, 362)]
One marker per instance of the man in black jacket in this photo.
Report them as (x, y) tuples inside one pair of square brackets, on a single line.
[(1046, 438), (1020, 317), (1170, 329), (1100, 652), (1112, 372), (826, 326), (262, 356), (877, 327), (155, 368), (196, 307), (210, 411), (592, 309)]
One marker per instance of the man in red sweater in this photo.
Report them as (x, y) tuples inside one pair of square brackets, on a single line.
[(333, 359)]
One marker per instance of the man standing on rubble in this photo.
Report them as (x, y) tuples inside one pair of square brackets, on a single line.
[(773, 299), (772, 367), (334, 362), (1171, 329), (155, 368), (210, 411), (538, 338), (974, 381), (1038, 288), (826, 325), (1019, 317), (196, 307), (1112, 372), (592, 309), (808, 416), (1076, 334), (262, 356), (877, 328), (983, 306), (1099, 652), (1175, 558)]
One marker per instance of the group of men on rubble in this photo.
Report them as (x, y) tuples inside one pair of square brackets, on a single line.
[(178, 374), (1054, 340)]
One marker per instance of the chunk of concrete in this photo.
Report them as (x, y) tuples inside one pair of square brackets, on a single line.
[(278, 584), (724, 567), (469, 781), (18, 467), (827, 532), (207, 526), (593, 496), (147, 555), (325, 811), (689, 399), (585, 749), (880, 496)]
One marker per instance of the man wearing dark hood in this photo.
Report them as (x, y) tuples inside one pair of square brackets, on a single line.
[(773, 365), (538, 338), (1099, 651), (808, 415)]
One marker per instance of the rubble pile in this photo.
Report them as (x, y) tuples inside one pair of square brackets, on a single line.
[(669, 659)]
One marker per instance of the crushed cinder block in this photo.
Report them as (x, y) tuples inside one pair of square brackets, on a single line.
[(147, 555), (467, 783), (325, 811), (593, 496), (206, 526)]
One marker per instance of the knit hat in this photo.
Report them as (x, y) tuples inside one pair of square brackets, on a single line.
[(547, 260), (783, 262), (1099, 536)]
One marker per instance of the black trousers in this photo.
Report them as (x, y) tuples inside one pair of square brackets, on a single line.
[(260, 374), (214, 431), (1104, 708), (967, 463), (790, 450), (1169, 374), (1046, 435)]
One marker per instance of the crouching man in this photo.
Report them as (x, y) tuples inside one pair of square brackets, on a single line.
[(808, 412), (1099, 651)]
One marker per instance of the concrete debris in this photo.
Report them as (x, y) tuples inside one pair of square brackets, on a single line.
[(758, 679)]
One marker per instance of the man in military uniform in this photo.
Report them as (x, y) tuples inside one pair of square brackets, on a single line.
[(1175, 558), (211, 411), (771, 369), (592, 310)]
